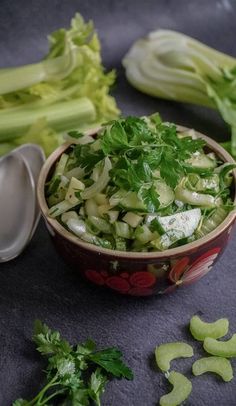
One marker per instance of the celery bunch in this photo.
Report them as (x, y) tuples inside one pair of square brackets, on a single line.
[(173, 66), (67, 90)]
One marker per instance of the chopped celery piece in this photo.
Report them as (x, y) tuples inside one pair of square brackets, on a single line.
[(77, 172), (194, 198), (200, 329), (100, 198), (77, 225), (101, 224), (221, 348), (61, 165), (166, 195), (61, 208), (182, 388), (112, 215), (103, 209), (91, 207), (165, 353), (202, 161), (122, 229), (101, 183), (132, 219), (218, 365), (209, 223), (58, 196), (120, 244), (65, 217), (127, 200), (167, 240), (195, 183), (73, 191), (143, 234), (53, 185)]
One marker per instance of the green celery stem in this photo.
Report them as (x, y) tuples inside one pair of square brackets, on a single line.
[(61, 116)]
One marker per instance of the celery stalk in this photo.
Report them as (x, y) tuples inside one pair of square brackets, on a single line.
[(69, 89), (61, 116), (14, 79), (173, 66)]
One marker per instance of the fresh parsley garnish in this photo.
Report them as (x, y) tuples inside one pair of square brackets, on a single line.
[(137, 147), (76, 375), (86, 157)]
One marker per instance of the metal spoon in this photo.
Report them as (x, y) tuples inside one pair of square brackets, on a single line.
[(17, 205), (35, 158)]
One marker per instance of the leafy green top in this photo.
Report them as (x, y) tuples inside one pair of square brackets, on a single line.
[(76, 375)]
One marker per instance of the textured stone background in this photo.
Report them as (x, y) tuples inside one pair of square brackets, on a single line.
[(40, 285)]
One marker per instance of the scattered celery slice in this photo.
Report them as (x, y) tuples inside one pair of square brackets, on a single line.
[(165, 353), (200, 329), (221, 348), (218, 365), (182, 388)]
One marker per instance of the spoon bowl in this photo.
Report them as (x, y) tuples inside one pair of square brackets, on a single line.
[(35, 157), (17, 205)]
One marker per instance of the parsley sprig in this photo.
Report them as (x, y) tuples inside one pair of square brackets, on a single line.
[(138, 147), (76, 375), (143, 146)]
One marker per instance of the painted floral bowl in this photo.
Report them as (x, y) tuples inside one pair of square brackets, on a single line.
[(138, 273)]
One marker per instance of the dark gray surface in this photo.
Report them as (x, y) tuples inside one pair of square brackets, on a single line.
[(40, 285)]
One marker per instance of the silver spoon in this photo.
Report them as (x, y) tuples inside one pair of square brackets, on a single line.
[(35, 158), (17, 205)]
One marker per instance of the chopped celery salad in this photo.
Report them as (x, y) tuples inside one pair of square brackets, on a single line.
[(141, 185)]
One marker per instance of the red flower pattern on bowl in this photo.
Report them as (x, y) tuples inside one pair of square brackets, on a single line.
[(142, 283), (183, 273), (135, 284)]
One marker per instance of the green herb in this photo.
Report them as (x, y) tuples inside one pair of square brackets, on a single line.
[(143, 148), (75, 134), (75, 375), (156, 226), (86, 158), (53, 185)]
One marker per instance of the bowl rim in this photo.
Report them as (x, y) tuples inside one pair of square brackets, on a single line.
[(172, 252)]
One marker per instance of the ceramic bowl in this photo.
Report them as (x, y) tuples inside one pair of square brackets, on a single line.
[(134, 273)]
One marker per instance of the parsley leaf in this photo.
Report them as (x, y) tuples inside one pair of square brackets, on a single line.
[(20, 402), (86, 158), (114, 138), (149, 196), (48, 341), (73, 375), (156, 226), (110, 360), (75, 134), (97, 385), (146, 145), (170, 168)]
